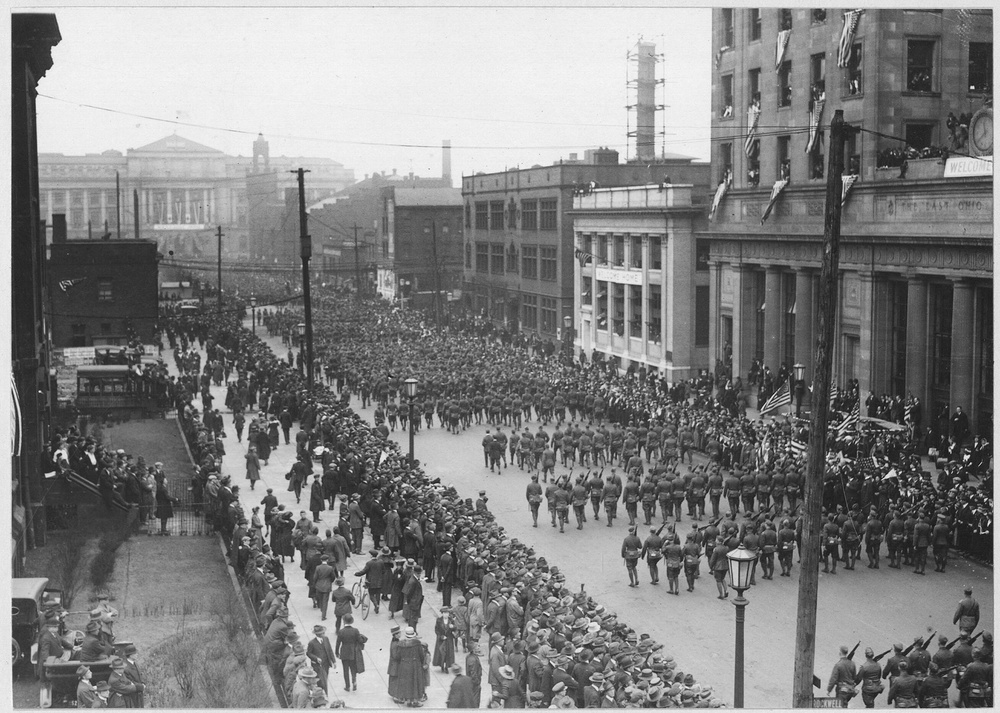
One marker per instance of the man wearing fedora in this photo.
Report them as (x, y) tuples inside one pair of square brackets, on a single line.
[(93, 647), (305, 681), (121, 686), (374, 574), (593, 692), (461, 694), (49, 643), (474, 670), (321, 654), (86, 691), (133, 674)]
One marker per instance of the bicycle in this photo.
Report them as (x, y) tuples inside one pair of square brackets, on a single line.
[(364, 602)]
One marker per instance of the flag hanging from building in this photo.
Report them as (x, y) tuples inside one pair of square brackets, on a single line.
[(15, 418), (583, 257), (850, 423), (797, 447), (776, 190), (753, 116), (815, 116), (781, 48), (851, 18), (720, 193), (781, 397), (66, 284), (847, 183)]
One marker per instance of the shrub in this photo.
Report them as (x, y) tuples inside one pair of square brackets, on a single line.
[(102, 567), (68, 563)]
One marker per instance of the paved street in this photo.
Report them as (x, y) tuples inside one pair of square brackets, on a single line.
[(879, 607)]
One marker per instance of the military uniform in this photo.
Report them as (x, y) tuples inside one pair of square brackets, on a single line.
[(631, 549)]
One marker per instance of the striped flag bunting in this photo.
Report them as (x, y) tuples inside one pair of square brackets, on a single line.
[(753, 117), (66, 284), (780, 48), (797, 447), (850, 423), (851, 18), (15, 418), (781, 397), (720, 193), (847, 183), (815, 116), (776, 190)]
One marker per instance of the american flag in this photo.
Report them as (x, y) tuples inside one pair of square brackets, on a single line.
[(798, 447), (781, 397), (776, 190), (780, 48), (814, 118), (866, 462), (66, 284), (850, 423), (753, 117), (851, 18), (845, 187), (720, 193)]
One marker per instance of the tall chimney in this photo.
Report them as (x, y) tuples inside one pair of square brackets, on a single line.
[(645, 130), (59, 227), (446, 160)]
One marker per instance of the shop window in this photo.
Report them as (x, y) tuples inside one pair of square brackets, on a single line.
[(529, 311), (635, 305), (619, 307), (548, 315), (653, 313)]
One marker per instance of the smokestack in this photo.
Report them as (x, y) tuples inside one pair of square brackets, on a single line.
[(446, 160), (645, 130), (58, 227)]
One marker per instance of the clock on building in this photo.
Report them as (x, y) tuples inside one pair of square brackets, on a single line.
[(981, 132)]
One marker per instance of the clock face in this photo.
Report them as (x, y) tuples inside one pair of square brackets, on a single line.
[(981, 132)]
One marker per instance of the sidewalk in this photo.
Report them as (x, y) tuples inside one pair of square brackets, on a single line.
[(374, 682)]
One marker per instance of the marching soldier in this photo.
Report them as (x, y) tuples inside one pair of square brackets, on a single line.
[(562, 498), (595, 486), (732, 492), (651, 552), (940, 539), (870, 677), (768, 546), (665, 495), (786, 545), (534, 496), (873, 539), (647, 493), (715, 484), (831, 542), (610, 495), (579, 498), (631, 547), (630, 496)]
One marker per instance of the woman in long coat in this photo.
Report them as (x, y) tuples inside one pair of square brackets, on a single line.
[(444, 644), (263, 445), (281, 532), (164, 504), (272, 431), (399, 577), (253, 466), (316, 502), (410, 659)]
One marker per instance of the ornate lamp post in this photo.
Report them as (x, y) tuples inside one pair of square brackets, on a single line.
[(410, 389), (741, 564), (301, 329), (799, 370), (253, 313)]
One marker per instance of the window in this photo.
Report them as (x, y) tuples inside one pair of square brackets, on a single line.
[(897, 319), (753, 84), (817, 158), (79, 338), (818, 16), (619, 258), (105, 328), (852, 151), (655, 258), (512, 258), (602, 248), (483, 258), (727, 28), (588, 247), (941, 305), (726, 106), (702, 252), (104, 291), (529, 311), (529, 262), (529, 215), (981, 67), (619, 317), (784, 158), (725, 160), (817, 76), (586, 294), (549, 210), (602, 306), (653, 312), (754, 24), (468, 255), (635, 308), (636, 252), (785, 84), (853, 75), (701, 316), (920, 65), (496, 258), (496, 215), (468, 216), (549, 263), (482, 215), (785, 18), (919, 135), (548, 314), (753, 164)]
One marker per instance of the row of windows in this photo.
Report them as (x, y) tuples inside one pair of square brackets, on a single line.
[(817, 17), (534, 214), (815, 161), (538, 312), (536, 262)]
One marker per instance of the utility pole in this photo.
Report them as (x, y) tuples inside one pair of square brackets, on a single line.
[(437, 278), (812, 490), (218, 233), (118, 204), (306, 245), (135, 211), (357, 262)]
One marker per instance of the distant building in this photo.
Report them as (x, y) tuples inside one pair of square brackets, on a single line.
[(519, 264), (185, 190), (915, 309), (103, 292), (642, 291)]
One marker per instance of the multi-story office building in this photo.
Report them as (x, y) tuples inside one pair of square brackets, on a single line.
[(519, 264), (916, 268)]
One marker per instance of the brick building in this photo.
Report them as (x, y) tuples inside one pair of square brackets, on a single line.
[(916, 268)]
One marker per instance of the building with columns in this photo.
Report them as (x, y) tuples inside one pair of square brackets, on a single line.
[(915, 307), (184, 189), (642, 292)]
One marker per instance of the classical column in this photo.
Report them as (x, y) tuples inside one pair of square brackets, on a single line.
[(645, 298), (744, 320), (48, 216), (170, 206), (772, 318), (917, 344), (714, 289), (804, 346), (104, 209), (86, 207), (187, 205), (666, 287), (962, 349), (204, 206), (210, 218)]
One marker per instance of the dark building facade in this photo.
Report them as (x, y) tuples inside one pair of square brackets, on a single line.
[(32, 38), (103, 292), (519, 264), (916, 267)]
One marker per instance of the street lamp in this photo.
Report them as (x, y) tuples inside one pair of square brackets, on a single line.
[(253, 313), (568, 337), (301, 329), (410, 389), (800, 387), (741, 565)]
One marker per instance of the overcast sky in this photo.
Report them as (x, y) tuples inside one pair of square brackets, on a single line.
[(372, 88)]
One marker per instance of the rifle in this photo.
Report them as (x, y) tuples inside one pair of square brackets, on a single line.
[(959, 637), (908, 649), (928, 640), (883, 655), (851, 655)]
